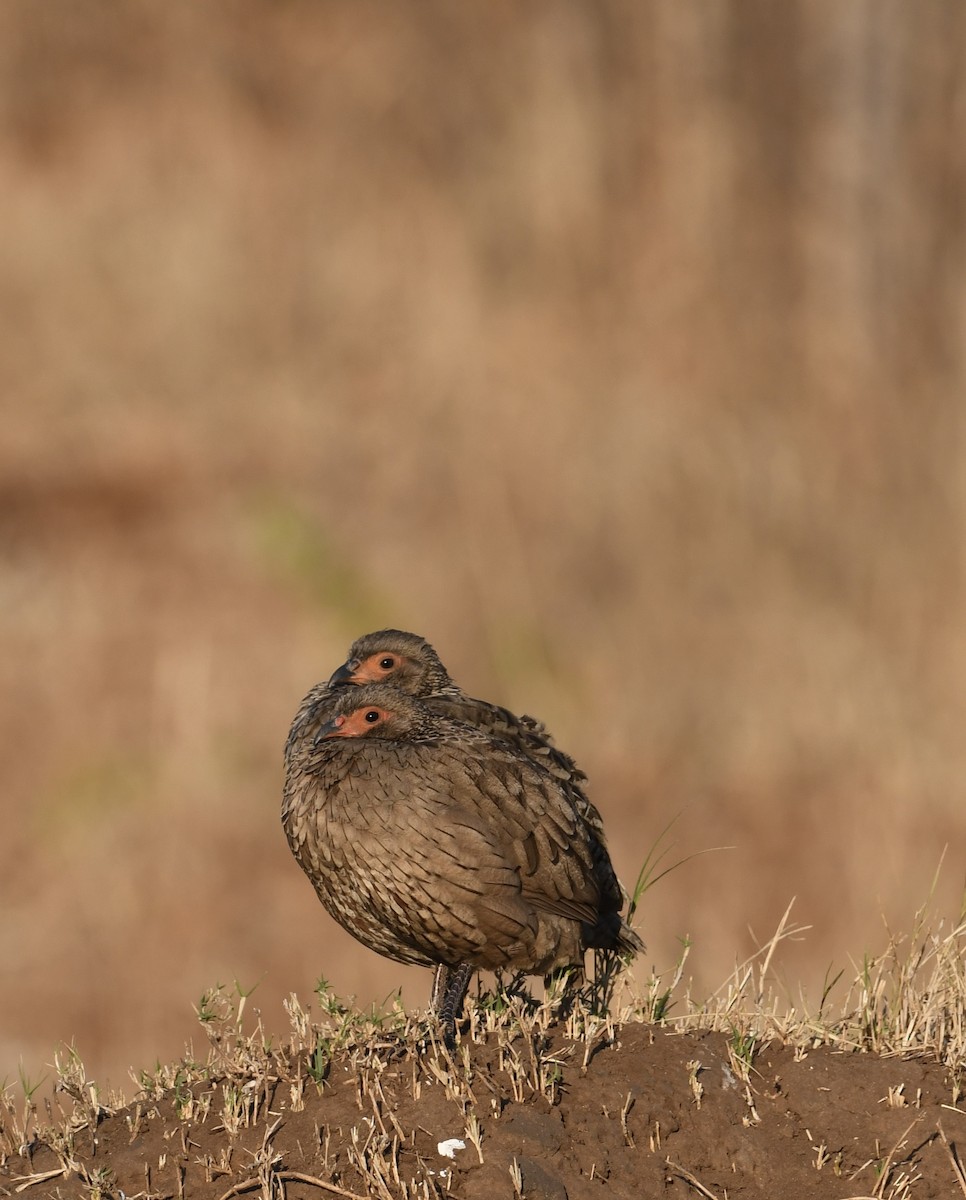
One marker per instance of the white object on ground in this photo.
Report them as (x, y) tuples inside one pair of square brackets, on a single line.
[(450, 1146)]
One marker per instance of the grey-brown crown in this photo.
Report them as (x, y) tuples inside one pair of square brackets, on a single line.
[(406, 659)]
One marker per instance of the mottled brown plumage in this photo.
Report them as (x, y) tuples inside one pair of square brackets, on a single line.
[(410, 663), (433, 842)]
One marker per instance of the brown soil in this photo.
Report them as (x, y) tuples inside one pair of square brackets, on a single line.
[(616, 348), (652, 1113)]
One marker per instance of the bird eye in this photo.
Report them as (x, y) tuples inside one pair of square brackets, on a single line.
[(372, 716), (387, 663)]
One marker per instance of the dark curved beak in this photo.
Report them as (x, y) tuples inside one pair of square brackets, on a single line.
[(344, 673), (331, 728)]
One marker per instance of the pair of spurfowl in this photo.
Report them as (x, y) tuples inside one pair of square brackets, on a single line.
[(442, 830)]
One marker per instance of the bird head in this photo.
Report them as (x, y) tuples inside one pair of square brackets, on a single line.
[(372, 711), (405, 660)]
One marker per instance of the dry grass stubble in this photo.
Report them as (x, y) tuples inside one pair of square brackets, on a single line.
[(742, 1099)]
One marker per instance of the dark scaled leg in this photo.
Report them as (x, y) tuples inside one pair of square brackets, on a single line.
[(450, 985)]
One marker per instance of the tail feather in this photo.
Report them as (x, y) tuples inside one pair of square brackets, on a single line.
[(614, 934), (628, 942)]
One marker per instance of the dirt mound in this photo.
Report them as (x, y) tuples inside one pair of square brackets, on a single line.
[(629, 1112)]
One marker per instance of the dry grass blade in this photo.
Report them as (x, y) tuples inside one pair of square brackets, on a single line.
[(239, 1189), (312, 1181), (29, 1181), (957, 1166), (891, 1157), (693, 1181), (886, 1168), (250, 1185)]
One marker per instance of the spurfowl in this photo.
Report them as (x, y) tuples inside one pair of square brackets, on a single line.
[(410, 663), (435, 843)]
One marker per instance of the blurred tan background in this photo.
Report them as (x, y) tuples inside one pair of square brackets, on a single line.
[(619, 349)]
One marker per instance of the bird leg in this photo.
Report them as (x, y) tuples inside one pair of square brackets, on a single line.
[(450, 985)]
